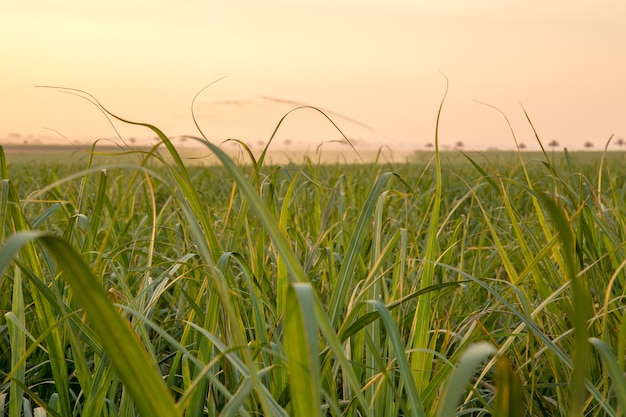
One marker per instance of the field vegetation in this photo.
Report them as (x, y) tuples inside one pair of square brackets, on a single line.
[(458, 284)]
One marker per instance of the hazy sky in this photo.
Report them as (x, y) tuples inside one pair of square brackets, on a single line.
[(373, 65)]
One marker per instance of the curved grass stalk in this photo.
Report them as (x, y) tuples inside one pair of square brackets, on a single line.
[(129, 358), (468, 363)]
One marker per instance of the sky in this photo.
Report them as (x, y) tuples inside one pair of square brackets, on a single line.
[(378, 68)]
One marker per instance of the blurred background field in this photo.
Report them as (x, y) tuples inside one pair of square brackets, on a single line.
[(197, 155)]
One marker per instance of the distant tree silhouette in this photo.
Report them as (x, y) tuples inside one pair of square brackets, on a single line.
[(430, 145), (458, 145), (588, 145), (620, 142), (522, 145), (553, 144)]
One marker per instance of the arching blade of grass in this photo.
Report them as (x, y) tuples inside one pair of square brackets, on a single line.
[(615, 372), (417, 408), (208, 245), (581, 313), (274, 409), (265, 216), (302, 347), (345, 277), (509, 394), (43, 309), (234, 406), (178, 171), (565, 360), (352, 324), (335, 347), (129, 358), (460, 379), (207, 241)]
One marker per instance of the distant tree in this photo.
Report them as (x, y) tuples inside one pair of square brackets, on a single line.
[(287, 142), (430, 145), (553, 144), (588, 145), (522, 145), (620, 142), (458, 145)]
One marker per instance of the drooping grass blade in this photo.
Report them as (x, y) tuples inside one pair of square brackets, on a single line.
[(129, 358), (461, 377)]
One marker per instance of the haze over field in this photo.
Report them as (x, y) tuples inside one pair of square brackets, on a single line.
[(373, 65)]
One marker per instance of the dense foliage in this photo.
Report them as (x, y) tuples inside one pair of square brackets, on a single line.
[(469, 284)]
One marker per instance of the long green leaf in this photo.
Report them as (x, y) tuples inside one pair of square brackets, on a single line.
[(417, 408), (46, 317), (129, 358), (18, 346), (509, 394), (345, 278), (582, 310), (615, 372), (461, 377), (421, 357), (302, 347)]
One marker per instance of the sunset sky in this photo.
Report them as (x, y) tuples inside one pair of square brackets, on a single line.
[(375, 67)]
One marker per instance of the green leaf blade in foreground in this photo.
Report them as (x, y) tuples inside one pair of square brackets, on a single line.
[(509, 393), (613, 368), (419, 338), (18, 347), (582, 302), (345, 278), (468, 363), (302, 348), (270, 225), (415, 401), (130, 360)]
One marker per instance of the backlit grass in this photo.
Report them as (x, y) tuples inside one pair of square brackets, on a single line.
[(456, 285)]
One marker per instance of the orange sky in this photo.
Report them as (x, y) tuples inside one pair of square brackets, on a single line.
[(374, 65)]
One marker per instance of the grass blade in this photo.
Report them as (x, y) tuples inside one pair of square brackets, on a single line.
[(417, 408), (18, 346), (129, 358), (509, 394), (582, 310), (421, 358), (615, 372), (302, 347), (461, 377)]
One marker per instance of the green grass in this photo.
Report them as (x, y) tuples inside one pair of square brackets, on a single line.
[(458, 284)]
